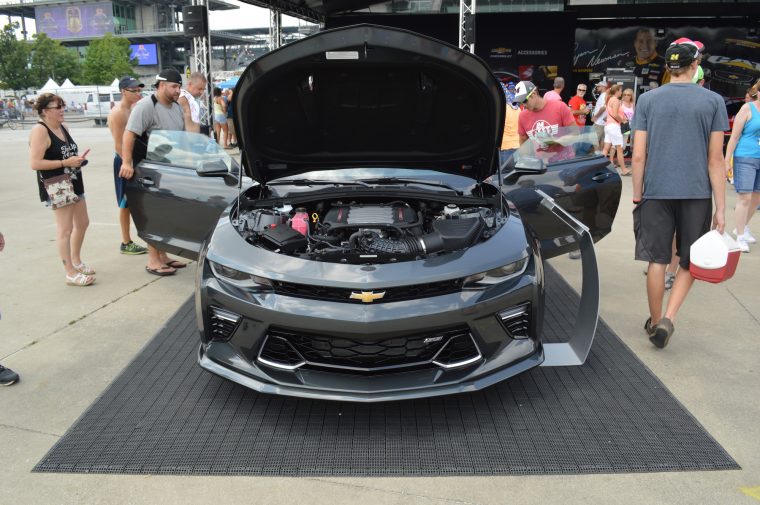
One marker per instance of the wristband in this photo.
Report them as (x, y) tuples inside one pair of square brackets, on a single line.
[(636, 202)]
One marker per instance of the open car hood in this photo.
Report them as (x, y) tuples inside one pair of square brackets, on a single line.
[(368, 96)]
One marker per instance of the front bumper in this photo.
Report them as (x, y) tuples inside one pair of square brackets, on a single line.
[(500, 356)]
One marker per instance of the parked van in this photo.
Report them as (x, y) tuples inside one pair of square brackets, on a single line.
[(98, 105)]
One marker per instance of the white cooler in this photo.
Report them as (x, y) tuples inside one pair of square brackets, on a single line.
[(713, 258)]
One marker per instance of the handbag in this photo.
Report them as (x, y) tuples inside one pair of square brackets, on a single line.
[(60, 191), (625, 128)]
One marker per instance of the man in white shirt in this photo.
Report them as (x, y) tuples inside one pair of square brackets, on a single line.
[(188, 99), (599, 114)]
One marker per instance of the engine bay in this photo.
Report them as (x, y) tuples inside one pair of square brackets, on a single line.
[(368, 230)]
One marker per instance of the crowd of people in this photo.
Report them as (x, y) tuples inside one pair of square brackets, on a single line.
[(57, 163), (678, 164), (676, 134)]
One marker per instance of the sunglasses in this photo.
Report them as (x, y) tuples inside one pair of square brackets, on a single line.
[(627, 94), (54, 107), (581, 89), (132, 90)]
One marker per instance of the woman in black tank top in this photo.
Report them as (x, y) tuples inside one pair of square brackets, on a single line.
[(53, 152)]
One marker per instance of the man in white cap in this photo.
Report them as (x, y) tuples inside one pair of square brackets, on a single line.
[(540, 118), (599, 114)]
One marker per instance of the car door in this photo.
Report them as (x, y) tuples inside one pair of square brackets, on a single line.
[(178, 192), (580, 181)]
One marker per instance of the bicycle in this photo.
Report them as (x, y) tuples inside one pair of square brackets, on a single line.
[(7, 119)]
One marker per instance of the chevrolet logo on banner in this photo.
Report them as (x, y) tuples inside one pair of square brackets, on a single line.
[(367, 296)]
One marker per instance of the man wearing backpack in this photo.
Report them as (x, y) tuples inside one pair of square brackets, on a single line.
[(160, 112)]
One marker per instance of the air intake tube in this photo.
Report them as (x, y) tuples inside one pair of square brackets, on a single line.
[(447, 235)]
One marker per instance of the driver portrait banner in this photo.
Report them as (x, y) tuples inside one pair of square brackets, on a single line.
[(731, 59)]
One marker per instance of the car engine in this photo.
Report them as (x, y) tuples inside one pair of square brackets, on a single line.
[(368, 232)]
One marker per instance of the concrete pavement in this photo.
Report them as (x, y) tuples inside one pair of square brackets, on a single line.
[(68, 344)]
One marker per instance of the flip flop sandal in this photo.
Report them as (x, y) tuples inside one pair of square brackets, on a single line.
[(175, 264), (80, 279), (161, 272), (82, 268)]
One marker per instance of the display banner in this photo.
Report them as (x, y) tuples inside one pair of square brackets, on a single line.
[(527, 46), (731, 61), (517, 46), (75, 20)]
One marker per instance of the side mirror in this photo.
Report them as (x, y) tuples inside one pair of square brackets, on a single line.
[(525, 165), (217, 168)]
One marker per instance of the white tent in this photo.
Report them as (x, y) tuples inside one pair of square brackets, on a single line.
[(49, 85), (67, 84), (115, 83)]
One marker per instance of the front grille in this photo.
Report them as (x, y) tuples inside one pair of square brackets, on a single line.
[(222, 324), (371, 355), (393, 294), (516, 321)]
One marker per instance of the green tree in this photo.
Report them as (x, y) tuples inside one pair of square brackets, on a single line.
[(51, 60), (14, 59), (107, 58)]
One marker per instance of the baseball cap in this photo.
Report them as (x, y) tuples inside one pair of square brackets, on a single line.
[(169, 75), (130, 82), (603, 82), (523, 90), (685, 40), (681, 55)]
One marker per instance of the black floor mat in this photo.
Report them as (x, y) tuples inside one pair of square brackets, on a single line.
[(165, 415)]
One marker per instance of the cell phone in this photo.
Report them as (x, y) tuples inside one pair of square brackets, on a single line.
[(86, 153)]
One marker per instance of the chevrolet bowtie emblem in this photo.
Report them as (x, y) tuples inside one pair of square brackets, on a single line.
[(367, 296)]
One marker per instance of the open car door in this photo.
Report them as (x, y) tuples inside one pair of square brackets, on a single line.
[(178, 192), (565, 166)]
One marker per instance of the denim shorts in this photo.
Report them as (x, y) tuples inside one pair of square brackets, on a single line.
[(746, 175)]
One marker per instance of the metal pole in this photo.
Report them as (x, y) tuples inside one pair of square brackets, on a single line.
[(466, 9), (275, 29)]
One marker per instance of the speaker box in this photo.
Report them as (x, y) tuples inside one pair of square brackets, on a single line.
[(194, 20), (469, 29)]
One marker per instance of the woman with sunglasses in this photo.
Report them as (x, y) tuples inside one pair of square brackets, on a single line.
[(52, 152)]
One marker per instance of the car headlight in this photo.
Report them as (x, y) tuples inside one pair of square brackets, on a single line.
[(496, 275), (238, 278)]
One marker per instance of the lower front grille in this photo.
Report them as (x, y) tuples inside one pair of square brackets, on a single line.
[(222, 324), (445, 348), (516, 321)]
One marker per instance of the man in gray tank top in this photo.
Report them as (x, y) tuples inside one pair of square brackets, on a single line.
[(678, 169), (159, 112)]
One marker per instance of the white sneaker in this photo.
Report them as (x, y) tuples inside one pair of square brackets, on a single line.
[(743, 245), (748, 237)]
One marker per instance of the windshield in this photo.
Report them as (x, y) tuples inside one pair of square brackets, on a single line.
[(185, 149), (562, 144), (361, 174)]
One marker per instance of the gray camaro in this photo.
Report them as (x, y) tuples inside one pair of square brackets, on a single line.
[(366, 249)]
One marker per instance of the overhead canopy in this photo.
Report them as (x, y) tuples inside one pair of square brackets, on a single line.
[(229, 83), (50, 84), (67, 84), (313, 10)]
